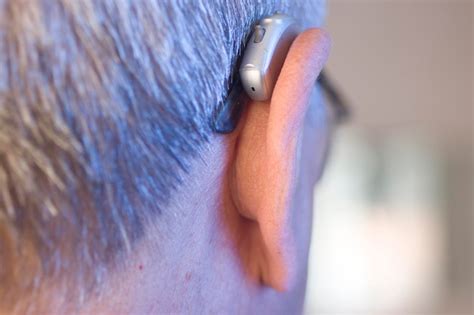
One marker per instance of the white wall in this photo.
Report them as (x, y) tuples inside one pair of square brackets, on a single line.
[(394, 212)]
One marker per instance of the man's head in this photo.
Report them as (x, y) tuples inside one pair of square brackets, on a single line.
[(114, 192)]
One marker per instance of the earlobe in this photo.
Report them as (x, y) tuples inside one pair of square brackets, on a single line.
[(264, 173)]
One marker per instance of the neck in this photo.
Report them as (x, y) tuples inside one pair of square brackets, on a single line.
[(176, 262), (189, 256)]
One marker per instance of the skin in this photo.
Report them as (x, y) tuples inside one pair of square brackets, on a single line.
[(235, 237)]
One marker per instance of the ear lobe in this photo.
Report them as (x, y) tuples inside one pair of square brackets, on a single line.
[(265, 164)]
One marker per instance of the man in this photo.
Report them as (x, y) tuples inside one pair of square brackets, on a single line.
[(115, 194)]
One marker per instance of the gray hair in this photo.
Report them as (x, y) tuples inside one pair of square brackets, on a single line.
[(102, 103)]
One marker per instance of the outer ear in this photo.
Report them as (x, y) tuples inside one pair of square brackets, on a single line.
[(265, 166)]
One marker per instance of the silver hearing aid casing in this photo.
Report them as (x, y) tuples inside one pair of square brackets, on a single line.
[(265, 53)]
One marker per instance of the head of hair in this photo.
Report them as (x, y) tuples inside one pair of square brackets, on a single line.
[(102, 104)]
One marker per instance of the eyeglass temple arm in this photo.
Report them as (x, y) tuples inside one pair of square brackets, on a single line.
[(335, 97)]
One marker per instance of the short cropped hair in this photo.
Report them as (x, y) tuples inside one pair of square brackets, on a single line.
[(102, 105)]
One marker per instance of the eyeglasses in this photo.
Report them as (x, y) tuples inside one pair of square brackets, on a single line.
[(229, 111), (335, 98)]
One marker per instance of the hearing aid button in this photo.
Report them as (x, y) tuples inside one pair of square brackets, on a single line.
[(259, 33)]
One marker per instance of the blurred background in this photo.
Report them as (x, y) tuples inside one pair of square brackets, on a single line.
[(393, 220)]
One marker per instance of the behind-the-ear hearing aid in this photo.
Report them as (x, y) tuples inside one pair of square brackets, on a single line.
[(259, 69), (265, 53)]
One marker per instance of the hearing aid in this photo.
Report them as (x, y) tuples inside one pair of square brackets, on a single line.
[(259, 67), (265, 53)]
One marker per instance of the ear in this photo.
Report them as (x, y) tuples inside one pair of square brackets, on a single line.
[(265, 164)]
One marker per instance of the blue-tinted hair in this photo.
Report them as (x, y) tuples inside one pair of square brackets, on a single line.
[(102, 104)]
